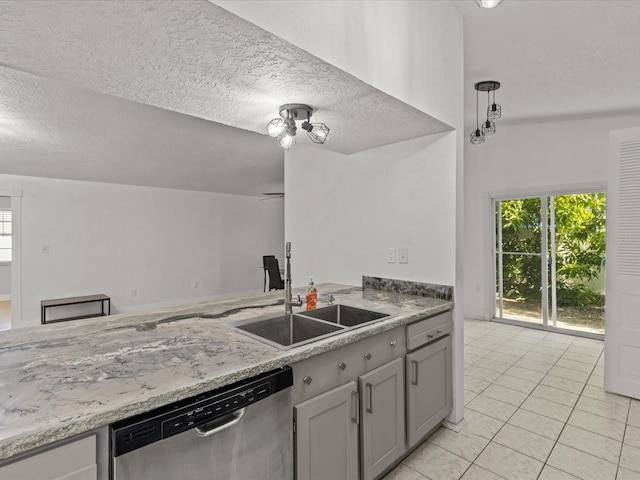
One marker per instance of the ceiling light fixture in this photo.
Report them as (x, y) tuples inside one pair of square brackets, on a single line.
[(488, 3), (493, 112), (284, 129)]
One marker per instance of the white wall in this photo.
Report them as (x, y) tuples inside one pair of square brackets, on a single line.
[(520, 160), (344, 212), (110, 239)]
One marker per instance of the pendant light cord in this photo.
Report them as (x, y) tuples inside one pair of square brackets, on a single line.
[(477, 123)]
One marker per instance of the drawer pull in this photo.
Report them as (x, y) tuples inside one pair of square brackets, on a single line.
[(307, 379), (342, 365), (355, 407), (369, 389), (367, 356), (392, 343), (431, 337), (414, 363)]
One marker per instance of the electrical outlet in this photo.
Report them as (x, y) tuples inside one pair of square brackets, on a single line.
[(196, 284), (134, 292), (403, 255), (45, 249), (391, 255)]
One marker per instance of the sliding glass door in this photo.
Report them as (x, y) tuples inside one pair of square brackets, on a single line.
[(549, 260)]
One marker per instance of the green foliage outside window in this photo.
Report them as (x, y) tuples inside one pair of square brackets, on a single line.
[(580, 248)]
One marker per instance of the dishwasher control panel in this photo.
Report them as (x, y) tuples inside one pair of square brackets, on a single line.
[(205, 413), (144, 429)]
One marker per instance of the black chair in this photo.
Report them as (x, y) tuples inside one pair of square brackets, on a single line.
[(270, 265)]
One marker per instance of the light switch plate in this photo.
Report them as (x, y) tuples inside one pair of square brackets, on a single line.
[(391, 255), (403, 255)]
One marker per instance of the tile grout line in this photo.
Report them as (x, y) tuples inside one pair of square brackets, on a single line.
[(566, 423), (584, 384), (518, 408)]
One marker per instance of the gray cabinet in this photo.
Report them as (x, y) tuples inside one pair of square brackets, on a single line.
[(382, 418), (326, 437), (429, 389), (75, 460)]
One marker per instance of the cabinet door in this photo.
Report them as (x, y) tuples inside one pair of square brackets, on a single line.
[(382, 425), (326, 438), (428, 381), (71, 461)]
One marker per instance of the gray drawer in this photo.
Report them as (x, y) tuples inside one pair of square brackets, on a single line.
[(428, 330), (357, 358)]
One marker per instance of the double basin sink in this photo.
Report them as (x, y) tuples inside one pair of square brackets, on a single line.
[(294, 329)]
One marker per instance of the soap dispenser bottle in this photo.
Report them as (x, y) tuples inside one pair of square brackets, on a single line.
[(312, 295)]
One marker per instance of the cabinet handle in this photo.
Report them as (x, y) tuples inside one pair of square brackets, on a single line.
[(355, 407), (342, 365), (392, 343), (369, 389), (438, 332), (367, 356), (414, 363), (307, 379)]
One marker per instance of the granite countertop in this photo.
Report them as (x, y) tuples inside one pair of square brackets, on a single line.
[(63, 379)]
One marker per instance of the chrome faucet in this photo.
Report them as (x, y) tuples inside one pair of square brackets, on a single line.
[(288, 301)]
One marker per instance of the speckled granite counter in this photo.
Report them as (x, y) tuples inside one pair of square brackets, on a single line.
[(63, 379)]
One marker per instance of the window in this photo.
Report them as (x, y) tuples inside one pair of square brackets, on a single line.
[(549, 263), (5, 236)]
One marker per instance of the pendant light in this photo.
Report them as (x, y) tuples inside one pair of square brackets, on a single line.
[(493, 112), (477, 137), (488, 127)]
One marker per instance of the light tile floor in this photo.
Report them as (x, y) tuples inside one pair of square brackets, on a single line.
[(535, 409)]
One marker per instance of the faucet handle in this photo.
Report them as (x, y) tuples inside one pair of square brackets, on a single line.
[(330, 299)]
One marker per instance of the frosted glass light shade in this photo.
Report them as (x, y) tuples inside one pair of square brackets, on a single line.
[(477, 137), (275, 127), (488, 128), (494, 112)]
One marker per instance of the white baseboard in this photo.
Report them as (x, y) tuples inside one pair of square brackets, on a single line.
[(5, 297)]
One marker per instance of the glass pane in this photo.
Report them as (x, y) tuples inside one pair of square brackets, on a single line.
[(521, 225), (521, 287), (580, 253)]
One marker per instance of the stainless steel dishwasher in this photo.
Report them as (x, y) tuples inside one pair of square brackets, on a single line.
[(240, 432)]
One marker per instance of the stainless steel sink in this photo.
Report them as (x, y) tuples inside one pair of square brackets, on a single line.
[(286, 331), (345, 315), (290, 330)]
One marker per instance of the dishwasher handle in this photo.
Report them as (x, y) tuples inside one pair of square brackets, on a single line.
[(221, 424)]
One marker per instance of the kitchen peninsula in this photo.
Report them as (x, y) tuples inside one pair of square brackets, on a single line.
[(65, 379)]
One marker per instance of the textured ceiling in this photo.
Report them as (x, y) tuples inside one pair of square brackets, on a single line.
[(555, 59), (53, 129), (186, 56)]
